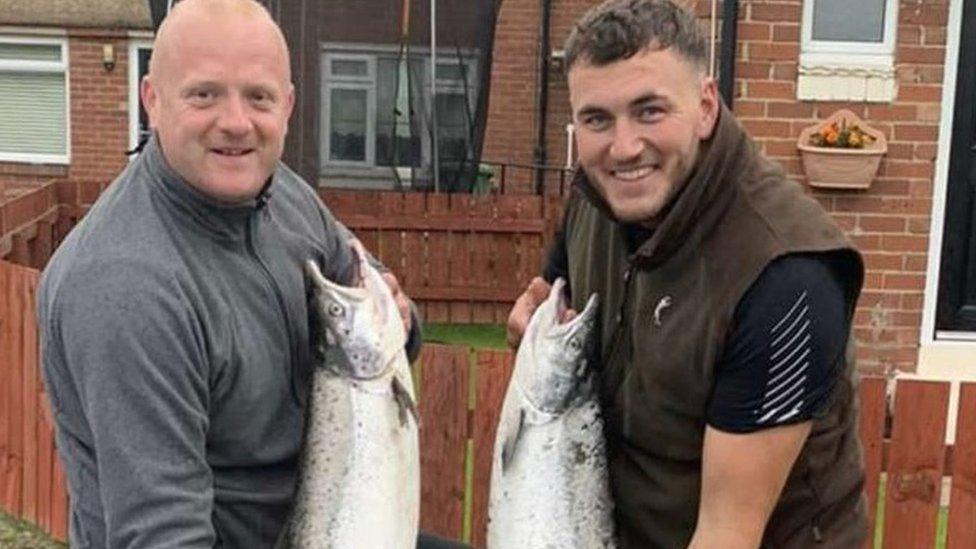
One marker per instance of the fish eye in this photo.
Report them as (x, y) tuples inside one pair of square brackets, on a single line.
[(575, 344), (335, 309)]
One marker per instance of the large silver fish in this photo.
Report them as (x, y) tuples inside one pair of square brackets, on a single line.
[(549, 486), (359, 483)]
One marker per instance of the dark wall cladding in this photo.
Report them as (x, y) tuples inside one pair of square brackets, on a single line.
[(459, 22)]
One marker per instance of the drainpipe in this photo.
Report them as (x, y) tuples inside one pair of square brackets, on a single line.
[(542, 93), (730, 16)]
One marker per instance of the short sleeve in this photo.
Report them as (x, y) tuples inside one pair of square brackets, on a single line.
[(784, 349)]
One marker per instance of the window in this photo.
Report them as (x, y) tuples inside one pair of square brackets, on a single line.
[(848, 50), (349, 104), (377, 107), (139, 54), (34, 100)]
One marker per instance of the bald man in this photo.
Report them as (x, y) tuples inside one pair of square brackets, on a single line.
[(173, 318)]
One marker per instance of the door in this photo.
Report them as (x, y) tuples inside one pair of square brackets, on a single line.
[(956, 310)]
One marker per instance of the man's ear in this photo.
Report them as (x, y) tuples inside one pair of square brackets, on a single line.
[(149, 97), (708, 108), (290, 105)]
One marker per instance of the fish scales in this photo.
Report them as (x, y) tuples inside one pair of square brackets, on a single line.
[(359, 481), (549, 484)]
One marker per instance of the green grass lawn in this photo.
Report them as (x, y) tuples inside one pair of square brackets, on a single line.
[(478, 336), (17, 534)]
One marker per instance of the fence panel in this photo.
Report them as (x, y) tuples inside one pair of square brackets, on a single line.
[(438, 254), (962, 503), (12, 388), (916, 464), (7, 365), (30, 473), (462, 258), (443, 438), (872, 418), (493, 372)]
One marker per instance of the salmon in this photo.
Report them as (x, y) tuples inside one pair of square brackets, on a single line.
[(549, 483), (359, 476)]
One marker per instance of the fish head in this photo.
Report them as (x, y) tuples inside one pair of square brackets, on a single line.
[(347, 322), (552, 360)]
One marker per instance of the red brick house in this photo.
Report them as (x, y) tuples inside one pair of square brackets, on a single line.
[(907, 67)]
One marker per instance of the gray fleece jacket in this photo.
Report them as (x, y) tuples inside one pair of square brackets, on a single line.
[(176, 357)]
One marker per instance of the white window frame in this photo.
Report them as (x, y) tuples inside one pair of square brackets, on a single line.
[(930, 337), (858, 71), (372, 53), (842, 50), (134, 89), (43, 67), (346, 82)]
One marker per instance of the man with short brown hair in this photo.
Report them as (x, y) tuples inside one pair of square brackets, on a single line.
[(727, 296)]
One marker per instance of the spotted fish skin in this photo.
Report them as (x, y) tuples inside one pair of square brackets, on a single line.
[(549, 483), (359, 480)]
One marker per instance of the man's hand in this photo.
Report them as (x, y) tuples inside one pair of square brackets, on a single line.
[(403, 304), (525, 305)]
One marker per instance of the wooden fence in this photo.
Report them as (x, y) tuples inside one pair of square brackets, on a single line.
[(33, 224), (32, 483), (462, 258)]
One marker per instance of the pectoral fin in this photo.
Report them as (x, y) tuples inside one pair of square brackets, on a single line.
[(404, 402), (511, 441)]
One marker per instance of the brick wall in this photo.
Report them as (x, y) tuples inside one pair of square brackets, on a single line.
[(99, 122), (889, 223)]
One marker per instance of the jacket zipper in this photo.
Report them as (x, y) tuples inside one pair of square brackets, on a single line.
[(275, 289), (618, 329)]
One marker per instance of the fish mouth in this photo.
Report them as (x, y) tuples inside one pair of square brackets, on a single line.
[(321, 284), (560, 303)]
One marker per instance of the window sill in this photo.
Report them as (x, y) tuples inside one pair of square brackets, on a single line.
[(846, 77), (35, 170), (365, 177), (947, 359)]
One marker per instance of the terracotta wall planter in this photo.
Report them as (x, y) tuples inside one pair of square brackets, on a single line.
[(839, 168)]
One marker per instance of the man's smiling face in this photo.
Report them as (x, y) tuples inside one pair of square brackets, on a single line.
[(219, 96), (639, 122)]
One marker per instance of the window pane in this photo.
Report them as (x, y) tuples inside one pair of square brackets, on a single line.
[(143, 55), (456, 72), (33, 116), (452, 122), (30, 52), (397, 139), (347, 67), (849, 21), (347, 134)]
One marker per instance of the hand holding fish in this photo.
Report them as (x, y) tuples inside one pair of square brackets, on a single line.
[(402, 302), (549, 484), (525, 305)]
